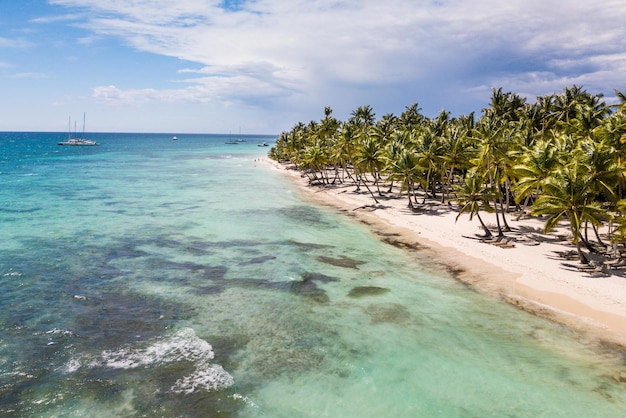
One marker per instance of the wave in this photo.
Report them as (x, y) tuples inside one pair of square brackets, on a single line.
[(183, 346)]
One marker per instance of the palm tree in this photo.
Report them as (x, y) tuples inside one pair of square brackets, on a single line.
[(363, 116), (315, 159), (566, 103), (621, 106), (369, 159), (411, 118), (619, 235), (566, 153), (505, 106), (326, 128), (405, 168), (455, 155), (569, 195), (490, 132), (429, 149), (392, 152), (473, 195), (600, 164), (343, 151), (613, 132), (535, 167)]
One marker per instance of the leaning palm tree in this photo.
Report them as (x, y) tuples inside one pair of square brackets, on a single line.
[(315, 160), (619, 219), (343, 152), (613, 132), (600, 164), (621, 106), (429, 154), (492, 134), (473, 194), (534, 168), (455, 155), (569, 194), (369, 159), (405, 168)]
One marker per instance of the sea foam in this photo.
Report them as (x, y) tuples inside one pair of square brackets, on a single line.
[(184, 345)]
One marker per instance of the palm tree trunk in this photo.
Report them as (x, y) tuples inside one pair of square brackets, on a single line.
[(390, 187), (377, 182), (495, 203), (524, 206), (488, 233), (581, 255), (526, 203), (586, 243), (409, 189), (368, 189), (357, 180), (597, 233), (506, 225), (336, 177), (500, 233), (427, 185), (346, 172)]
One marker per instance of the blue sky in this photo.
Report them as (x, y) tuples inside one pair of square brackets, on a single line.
[(219, 66)]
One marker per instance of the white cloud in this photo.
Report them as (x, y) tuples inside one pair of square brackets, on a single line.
[(56, 18), (270, 49), (14, 43), (29, 75)]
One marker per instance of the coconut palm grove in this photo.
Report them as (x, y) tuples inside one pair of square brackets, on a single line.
[(561, 158)]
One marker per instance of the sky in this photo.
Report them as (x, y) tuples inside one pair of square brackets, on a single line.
[(261, 66)]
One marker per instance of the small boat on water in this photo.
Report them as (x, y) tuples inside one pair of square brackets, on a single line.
[(174, 138), (77, 142), (235, 141), (263, 144)]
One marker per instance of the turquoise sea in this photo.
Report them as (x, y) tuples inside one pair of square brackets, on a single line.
[(148, 277)]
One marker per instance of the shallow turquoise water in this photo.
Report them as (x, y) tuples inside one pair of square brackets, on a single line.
[(151, 277)]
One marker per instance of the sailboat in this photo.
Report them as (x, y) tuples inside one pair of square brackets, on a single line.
[(77, 142), (235, 141), (240, 139), (230, 140)]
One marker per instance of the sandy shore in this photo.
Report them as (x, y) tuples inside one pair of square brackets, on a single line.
[(531, 275)]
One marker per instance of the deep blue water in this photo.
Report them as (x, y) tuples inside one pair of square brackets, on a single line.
[(152, 277)]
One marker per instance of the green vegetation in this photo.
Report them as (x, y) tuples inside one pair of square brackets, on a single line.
[(563, 156)]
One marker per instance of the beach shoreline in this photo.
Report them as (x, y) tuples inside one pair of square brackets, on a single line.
[(530, 275)]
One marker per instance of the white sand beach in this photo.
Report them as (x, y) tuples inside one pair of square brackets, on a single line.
[(530, 274)]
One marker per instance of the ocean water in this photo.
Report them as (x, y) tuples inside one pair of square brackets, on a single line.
[(155, 278)]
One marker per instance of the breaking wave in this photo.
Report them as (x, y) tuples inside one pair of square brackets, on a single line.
[(181, 346)]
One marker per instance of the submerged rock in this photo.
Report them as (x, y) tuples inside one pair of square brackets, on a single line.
[(209, 290), (341, 261), (389, 313), (319, 277), (309, 289), (363, 291), (258, 260)]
